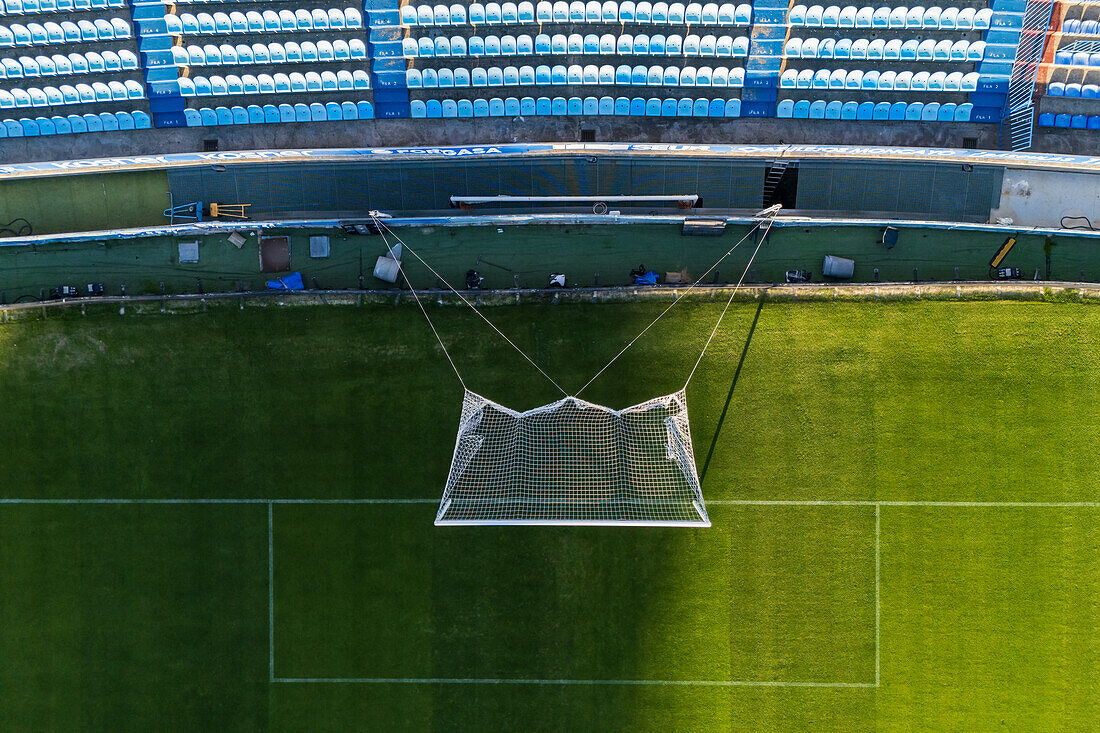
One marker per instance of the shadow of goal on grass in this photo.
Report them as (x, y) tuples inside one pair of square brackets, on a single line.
[(729, 396)]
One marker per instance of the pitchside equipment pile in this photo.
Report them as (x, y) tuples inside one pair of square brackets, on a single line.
[(571, 461)]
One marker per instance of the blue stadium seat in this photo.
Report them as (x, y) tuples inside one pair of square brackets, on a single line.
[(433, 109), (897, 110), (817, 110), (365, 109), (559, 106), (46, 126), (785, 108), (543, 107), (670, 108), (637, 107), (622, 106), (511, 106), (527, 106), (801, 110), (449, 108), (1079, 122), (914, 111), (1094, 122), (590, 106), (606, 106), (733, 107), (865, 111)]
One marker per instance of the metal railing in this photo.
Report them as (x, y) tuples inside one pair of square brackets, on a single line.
[(1019, 108)]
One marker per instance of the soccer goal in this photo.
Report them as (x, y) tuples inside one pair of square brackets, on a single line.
[(574, 462)]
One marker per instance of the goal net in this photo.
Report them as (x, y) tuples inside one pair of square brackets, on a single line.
[(574, 462)]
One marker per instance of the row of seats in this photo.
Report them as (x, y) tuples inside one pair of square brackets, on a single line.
[(882, 50), (921, 81), (1081, 27), (833, 16), (1077, 122), (14, 97), (268, 21), (1088, 91), (38, 34), (591, 44), (269, 53), (75, 63), (624, 75), (593, 11), (254, 114), (58, 125), (560, 106), (912, 111), (34, 7), (1077, 58), (294, 83)]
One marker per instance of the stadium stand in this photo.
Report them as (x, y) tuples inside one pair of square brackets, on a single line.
[(1071, 96), (67, 67), (203, 64)]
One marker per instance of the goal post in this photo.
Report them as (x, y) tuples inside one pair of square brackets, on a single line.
[(573, 462)]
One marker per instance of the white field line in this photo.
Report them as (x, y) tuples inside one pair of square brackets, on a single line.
[(877, 605), (715, 502), (500, 681), (271, 591), (219, 501), (856, 502), (493, 681)]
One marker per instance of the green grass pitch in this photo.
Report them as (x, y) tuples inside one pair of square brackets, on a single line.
[(904, 499)]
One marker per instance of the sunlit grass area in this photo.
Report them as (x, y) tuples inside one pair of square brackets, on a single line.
[(903, 498)]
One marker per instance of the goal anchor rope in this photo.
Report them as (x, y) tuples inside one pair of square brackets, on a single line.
[(769, 219), (572, 461)]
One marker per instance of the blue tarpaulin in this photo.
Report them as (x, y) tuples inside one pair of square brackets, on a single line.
[(650, 278), (293, 281)]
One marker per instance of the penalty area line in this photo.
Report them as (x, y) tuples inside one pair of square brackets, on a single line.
[(711, 502), (551, 682), (219, 501)]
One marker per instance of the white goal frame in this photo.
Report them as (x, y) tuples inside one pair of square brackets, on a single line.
[(573, 462)]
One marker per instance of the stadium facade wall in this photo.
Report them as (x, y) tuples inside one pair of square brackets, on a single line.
[(1046, 198), (938, 191)]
